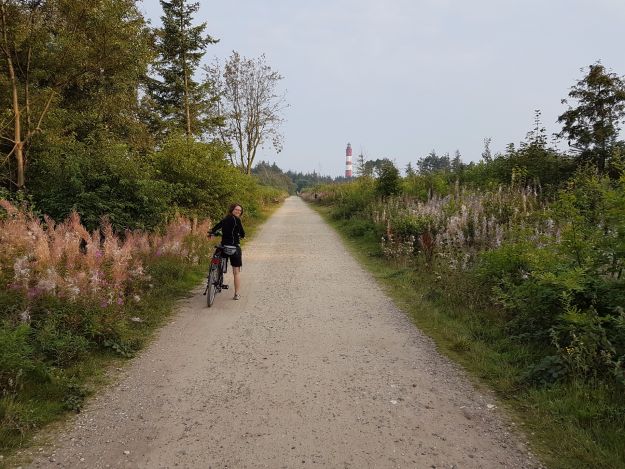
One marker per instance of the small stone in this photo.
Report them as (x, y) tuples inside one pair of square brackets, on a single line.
[(467, 414), (126, 452)]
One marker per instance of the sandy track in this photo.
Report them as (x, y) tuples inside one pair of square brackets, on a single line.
[(313, 367)]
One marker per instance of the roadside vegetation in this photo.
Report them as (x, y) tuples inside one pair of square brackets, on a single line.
[(115, 160), (515, 266)]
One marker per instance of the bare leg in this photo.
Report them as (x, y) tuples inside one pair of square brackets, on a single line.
[(236, 271)]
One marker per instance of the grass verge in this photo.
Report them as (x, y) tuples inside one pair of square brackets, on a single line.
[(571, 425)]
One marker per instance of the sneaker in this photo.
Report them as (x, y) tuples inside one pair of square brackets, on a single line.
[(236, 296)]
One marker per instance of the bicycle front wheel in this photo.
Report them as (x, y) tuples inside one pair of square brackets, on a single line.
[(213, 280)]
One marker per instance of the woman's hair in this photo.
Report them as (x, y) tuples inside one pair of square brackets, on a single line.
[(232, 207)]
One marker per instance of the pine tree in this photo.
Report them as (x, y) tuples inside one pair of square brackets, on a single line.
[(593, 125), (179, 102), (456, 163), (410, 172)]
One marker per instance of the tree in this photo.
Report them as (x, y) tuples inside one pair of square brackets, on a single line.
[(373, 167), (388, 180), (410, 172), (250, 105), (68, 69), (361, 166), (271, 175), (433, 163), (592, 125), (487, 156), (176, 101), (456, 163)]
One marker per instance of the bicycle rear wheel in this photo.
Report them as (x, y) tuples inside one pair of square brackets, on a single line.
[(213, 281)]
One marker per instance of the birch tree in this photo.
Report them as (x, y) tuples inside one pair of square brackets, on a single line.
[(251, 106)]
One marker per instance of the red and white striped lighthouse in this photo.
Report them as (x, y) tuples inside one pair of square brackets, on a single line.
[(348, 161)]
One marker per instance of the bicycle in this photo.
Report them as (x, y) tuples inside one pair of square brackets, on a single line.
[(218, 267)]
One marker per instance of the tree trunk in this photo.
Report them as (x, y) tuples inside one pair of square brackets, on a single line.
[(18, 145), (187, 111), (185, 74)]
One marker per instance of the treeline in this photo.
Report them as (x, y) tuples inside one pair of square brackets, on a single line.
[(291, 181), (522, 256), (105, 115)]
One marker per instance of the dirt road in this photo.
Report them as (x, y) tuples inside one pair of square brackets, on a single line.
[(313, 367)]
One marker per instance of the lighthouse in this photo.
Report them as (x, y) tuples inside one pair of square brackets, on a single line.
[(348, 161)]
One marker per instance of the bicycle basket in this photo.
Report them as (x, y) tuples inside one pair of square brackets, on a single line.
[(229, 250)]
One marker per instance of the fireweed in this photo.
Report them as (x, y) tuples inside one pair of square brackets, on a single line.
[(457, 227), (66, 261)]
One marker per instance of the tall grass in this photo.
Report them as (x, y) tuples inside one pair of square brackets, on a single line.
[(64, 260)]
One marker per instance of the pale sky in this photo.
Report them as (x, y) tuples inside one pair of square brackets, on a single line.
[(398, 78)]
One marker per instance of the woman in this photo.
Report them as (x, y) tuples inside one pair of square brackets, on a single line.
[(232, 233)]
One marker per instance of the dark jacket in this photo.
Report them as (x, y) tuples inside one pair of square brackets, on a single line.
[(231, 229)]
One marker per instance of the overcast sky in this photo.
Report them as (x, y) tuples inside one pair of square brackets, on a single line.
[(398, 78)]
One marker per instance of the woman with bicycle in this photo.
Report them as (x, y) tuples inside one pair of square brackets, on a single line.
[(232, 233)]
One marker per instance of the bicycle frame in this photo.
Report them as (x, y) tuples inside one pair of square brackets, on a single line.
[(218, 267)]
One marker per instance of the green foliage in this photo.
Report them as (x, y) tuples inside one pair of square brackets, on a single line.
[(567, 289), (359, 228), (61, 347), (433, 163), (592, 126), (349, 200), (15, 351), (307, 180), (388, 180), (16, 419), (423, 186), (200, 180), (97, 178), (79, 68), (273, 176), (74, 395), (175, 101), (407, 227)]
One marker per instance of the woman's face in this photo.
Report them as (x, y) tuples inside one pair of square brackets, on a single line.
[(236, 211)]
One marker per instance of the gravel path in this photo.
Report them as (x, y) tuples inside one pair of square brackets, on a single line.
[(313, 367)]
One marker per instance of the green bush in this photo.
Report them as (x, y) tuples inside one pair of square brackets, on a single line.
[(565, 290), (359, 228), (97, 178), (406, 226), (201, 181)]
